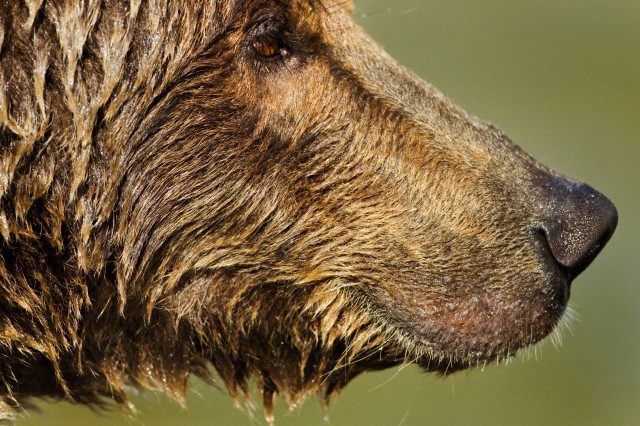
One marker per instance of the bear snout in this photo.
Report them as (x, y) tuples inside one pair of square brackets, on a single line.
[(577, 223)]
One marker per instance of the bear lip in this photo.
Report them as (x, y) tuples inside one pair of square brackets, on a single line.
[(445, 348), (460, 336), (563, 276)]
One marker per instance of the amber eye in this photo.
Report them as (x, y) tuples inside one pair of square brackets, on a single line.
[(268, 47)]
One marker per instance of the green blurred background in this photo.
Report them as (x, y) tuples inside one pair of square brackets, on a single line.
[(562, 78)]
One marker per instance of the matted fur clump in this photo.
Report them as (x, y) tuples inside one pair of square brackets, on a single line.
[(254, 185)]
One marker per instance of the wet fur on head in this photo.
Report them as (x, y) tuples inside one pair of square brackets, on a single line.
[(171, 200)]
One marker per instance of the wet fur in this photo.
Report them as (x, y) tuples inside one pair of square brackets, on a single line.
[(168, 202)]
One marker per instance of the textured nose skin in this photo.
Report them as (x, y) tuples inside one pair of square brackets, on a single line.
[(579, 222)]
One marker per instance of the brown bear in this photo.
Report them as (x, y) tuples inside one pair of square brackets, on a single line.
[(254, 185)]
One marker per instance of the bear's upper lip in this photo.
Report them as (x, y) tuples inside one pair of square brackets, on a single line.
[(561, 276)]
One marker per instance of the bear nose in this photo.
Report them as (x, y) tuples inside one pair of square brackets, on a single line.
[(579, 221)]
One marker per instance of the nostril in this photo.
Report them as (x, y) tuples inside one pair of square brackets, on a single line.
[(579, 223)]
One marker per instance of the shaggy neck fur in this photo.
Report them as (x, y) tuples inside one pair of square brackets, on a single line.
[(90, 92)]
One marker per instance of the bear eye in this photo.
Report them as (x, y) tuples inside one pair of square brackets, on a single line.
[(268, 46)]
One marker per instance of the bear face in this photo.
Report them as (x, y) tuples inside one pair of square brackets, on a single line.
[(257, 186)]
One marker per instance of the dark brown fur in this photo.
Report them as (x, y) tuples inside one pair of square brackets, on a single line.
[(170, 200)]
